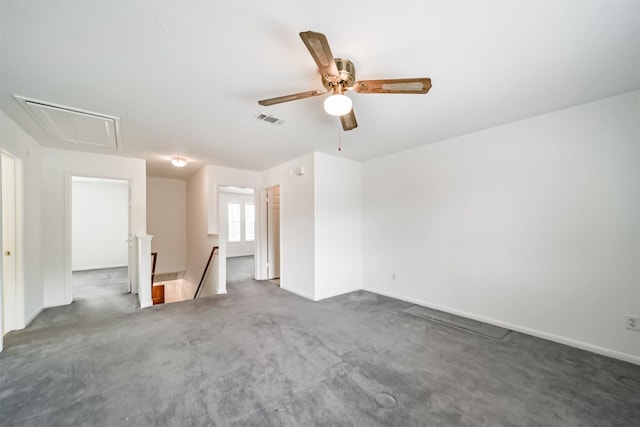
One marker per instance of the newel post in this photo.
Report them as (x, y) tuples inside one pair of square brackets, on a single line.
[(144, 270)]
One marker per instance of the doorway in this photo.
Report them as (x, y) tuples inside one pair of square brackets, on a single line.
[(273, 234), (12, 297), (100, 238), (237, 226)]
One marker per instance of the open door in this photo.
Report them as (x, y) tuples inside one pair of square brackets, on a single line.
[(273, 232), (12, 297)]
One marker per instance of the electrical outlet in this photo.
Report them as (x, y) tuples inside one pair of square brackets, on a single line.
[(633, 323)]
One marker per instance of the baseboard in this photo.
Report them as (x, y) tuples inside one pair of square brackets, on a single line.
[(102, 267), (359, 288), (533, 332), (29, 319), (57, 304), (300, 294)]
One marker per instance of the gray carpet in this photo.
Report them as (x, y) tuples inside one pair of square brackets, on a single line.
[(240, 269), (260, 356), (101, 278), (100, 283), (469, 325)]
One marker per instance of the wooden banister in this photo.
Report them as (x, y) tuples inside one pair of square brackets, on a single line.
[(157, 292), (206, 268)]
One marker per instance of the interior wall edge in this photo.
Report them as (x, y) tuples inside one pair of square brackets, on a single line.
[(24, 147), (28, 318), (300, 293), (338, 293)]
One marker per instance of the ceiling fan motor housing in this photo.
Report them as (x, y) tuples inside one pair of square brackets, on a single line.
[(346, 75)]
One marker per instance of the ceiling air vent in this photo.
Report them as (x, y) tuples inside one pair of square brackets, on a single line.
[(269, 119), (73, 125)]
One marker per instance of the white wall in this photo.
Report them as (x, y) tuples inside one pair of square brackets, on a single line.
[(100, 224), (199, 241), (338, 225), (533, 225), (320, 225), (167, 223), (297, 229), (24, 147), (58, 168), (243, 247)]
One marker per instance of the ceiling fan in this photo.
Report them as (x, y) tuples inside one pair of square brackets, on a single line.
[(338, 76)]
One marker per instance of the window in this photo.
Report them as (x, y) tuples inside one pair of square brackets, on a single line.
[(234, 222), (249, 215)]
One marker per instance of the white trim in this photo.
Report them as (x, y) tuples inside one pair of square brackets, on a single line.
[(18, 322), (132, 260), (32, 316), (533, 332), (101, 267), (20, 289), (68, 224), (300, 294), (261, 234), (132, 256), (339, 293), (144, 270)]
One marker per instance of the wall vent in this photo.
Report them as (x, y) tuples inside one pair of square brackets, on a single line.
[(73, 125), (269, 119)]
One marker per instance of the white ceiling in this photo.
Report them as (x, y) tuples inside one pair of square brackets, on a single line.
[(184, 77)]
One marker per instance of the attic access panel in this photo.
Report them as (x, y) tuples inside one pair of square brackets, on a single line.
[(73, 125)]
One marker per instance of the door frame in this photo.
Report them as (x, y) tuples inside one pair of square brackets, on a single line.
[(264, 238), (17, 199), (131, 258), (222, 238)]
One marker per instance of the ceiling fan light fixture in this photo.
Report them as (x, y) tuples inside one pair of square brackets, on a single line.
[(339, 75), (179, 162), (338, 105)]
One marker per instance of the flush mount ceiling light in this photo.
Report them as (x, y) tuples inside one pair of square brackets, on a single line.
[(179, 162)]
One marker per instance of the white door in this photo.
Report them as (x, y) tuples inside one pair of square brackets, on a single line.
[(8, 245), (273, 232)]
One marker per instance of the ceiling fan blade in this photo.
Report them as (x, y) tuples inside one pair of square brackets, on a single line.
[(320, 51), (295, 96), (417, 85), (349, 121)]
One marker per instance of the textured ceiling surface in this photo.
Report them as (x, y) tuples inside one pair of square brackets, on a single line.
[(184, 77)]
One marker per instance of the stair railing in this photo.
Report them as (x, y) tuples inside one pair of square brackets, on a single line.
[(206, 268)]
